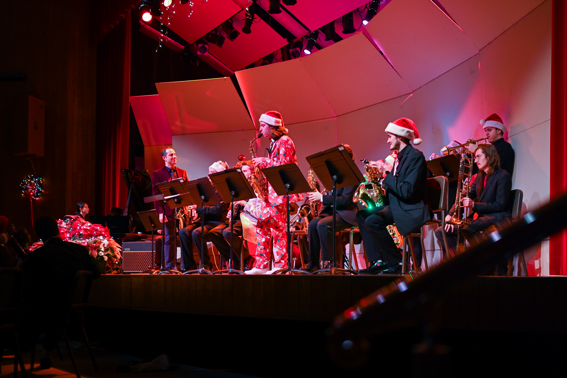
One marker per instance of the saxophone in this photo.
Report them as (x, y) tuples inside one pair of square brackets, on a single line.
[(257, 180), (371, 194)]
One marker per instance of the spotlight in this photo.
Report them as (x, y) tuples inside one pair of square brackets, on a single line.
[(372, 10), (145, 11), (274, 7), (295, 49), (215, 39), (202, 47), (329, 31), (167, 3), (348, 24), (248, 20), (289, 2), (231, 32), (311, 43)]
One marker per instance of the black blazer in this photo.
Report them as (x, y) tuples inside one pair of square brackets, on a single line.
[(406, 191), (493, 201), (345, 207)]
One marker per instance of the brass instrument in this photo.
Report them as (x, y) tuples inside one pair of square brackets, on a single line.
[(463, 182), (257, 180), (309, 209), (371, 194), (449, 150), (186, 216)]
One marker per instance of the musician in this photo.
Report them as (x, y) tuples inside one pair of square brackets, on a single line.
[(215, 218), (221, 237), (82, 210), (167, 173), (495, 129), (405, 184), (488, 198), (272, 219), (320, 229)]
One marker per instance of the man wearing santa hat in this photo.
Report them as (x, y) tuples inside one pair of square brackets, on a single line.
[(495, 129), (405, 183), (272, 219)]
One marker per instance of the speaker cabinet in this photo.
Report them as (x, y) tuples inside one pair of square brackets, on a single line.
[(28, 126), (136, 256)]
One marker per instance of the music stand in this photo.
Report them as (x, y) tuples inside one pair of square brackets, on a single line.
[(149, 219), (175, 193), (202, 189), (232, 186), (287, 179), (447, 166), (335, 168), (159, 198)]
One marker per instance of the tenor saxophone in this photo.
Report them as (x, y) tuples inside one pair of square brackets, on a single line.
[(257, 180)]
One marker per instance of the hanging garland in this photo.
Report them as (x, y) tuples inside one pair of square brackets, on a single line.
[(33, 187)]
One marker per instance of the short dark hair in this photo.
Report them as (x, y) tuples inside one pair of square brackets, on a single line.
[(46, 227), (164, 152), (79, 207)]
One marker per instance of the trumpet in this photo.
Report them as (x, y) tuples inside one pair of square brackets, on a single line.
[(446, 150)]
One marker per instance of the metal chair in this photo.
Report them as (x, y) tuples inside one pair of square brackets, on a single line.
[(437, 198), (11, 281)]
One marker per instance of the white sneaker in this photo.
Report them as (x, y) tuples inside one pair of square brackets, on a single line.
[(257, 271), (273, 270)]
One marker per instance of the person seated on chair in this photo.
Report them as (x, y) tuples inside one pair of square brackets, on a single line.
[(82, 210), (48, 279), (488, 198), (221, 237), (405, 184), (320, 229), (215, 219)]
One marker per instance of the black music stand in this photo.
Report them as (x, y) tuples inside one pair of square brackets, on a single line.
[(159, 198), (202, 189), (335, 168), (150, 219), (287, 179), (447, 166), (232, 186), (175, 193)]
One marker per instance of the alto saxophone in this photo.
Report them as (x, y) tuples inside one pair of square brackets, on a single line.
[(257, 180), (371, 194)]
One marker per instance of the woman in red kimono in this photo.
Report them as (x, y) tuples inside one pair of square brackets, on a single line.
[(272, 214)]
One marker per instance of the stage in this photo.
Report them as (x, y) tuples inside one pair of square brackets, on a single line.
[(481, 303)]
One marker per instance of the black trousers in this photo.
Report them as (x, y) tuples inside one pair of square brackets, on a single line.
[(193, 235), (220, 237), (320, 235)]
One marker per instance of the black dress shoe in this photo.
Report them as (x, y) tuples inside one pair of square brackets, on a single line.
[(312, 267), (392, 270), (45, 363), (375, 268)]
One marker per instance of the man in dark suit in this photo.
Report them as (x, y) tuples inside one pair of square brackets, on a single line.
[(167, 173), (405, 184), (488, 198), (320, 229), (48, 278)]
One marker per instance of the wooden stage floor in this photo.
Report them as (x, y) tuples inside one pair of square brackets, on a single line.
[(498, 303)]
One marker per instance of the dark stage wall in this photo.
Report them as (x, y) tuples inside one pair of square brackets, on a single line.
[(52, 43)]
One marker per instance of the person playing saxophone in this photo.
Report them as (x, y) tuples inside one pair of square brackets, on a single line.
[(320, 229), (272, 219)]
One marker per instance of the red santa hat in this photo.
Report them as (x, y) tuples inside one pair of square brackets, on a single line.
[(493, 120), (405, 128), (272, 118)]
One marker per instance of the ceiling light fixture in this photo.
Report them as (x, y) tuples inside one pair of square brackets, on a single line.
[(230, 31), (248, 20), (215, 39), (202, 47), (145, 11), (372, 10), (167, 3), (329, 31), (348, 24), (311, 42), (295, 49), (274, 7)]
